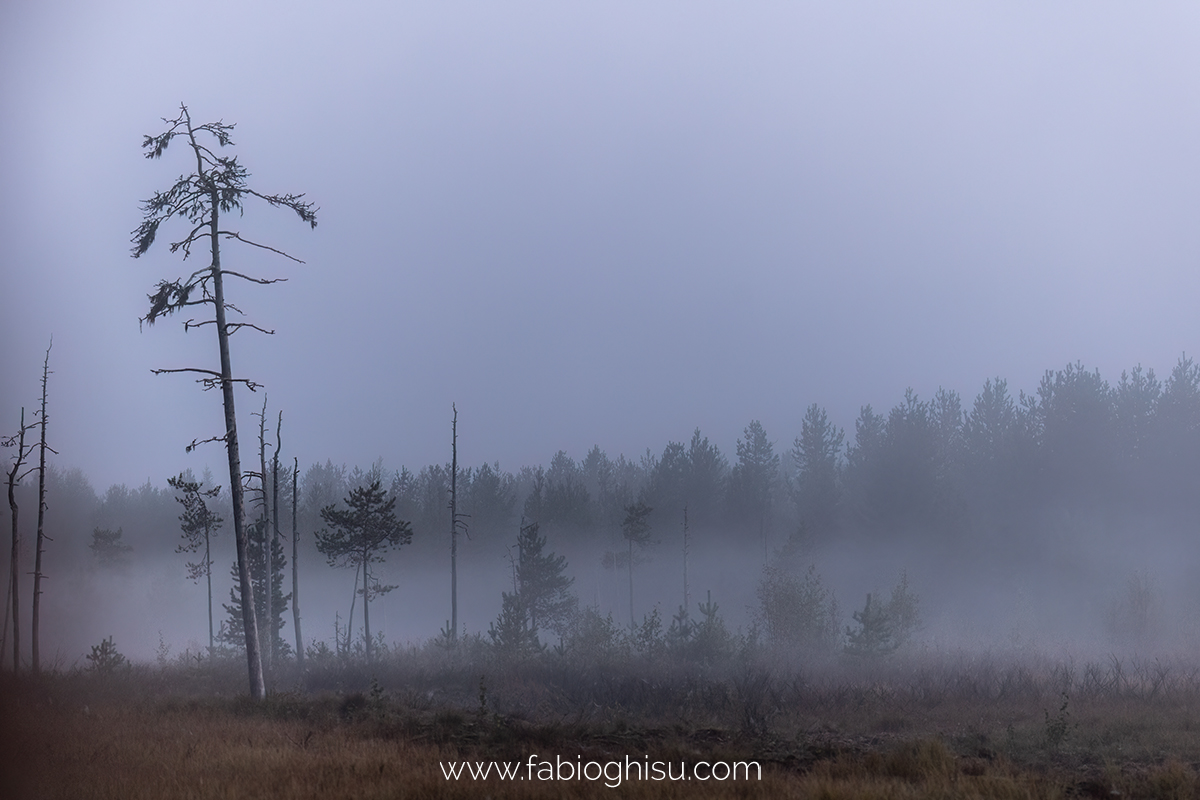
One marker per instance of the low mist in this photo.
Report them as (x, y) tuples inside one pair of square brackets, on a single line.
[(1049, 526)]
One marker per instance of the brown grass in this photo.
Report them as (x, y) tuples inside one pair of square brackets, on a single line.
[(915, 734)]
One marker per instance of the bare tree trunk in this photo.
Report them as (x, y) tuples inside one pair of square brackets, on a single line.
[(296, 563), (632, 624), (7, 609), (350, 620), (686, 547), (258, 689), (41, 530), (366, 608), (274, 532), (267, 638), (15, 573), (208, 573), (223, 181), (454, 526)]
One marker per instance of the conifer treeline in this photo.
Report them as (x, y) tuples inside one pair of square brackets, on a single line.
[(928, 469), (1079, 459)]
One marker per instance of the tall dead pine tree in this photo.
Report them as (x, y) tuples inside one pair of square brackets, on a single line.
[(457, 523), (274, 528), (14, 477), (41, 523), (267, 543), (296, 559), (217, 186)]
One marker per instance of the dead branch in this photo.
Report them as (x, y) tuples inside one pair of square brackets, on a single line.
[(238, 236), (263, 281), (197, 442), (214, 381), (234, 327), (191, 323)]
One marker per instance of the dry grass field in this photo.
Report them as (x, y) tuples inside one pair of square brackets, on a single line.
[(959, 728)]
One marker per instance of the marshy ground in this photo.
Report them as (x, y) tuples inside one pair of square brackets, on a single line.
[(930, 726)]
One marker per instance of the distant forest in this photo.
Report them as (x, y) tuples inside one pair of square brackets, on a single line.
[(1078, 457), (928, 470)]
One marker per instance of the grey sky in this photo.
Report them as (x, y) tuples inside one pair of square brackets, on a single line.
[(597, 223)]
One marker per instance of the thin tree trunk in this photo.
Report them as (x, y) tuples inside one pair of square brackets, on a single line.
[(41, 530), (366, 608), (454, 526), (296, 563), (350, 621), (686, 544), (267, 639), (7, 608), (258, 689), (762, 530), (208, 573), (275, 520), (15, 572), (632, 624)]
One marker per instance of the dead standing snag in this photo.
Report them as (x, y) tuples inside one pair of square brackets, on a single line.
[(216, 186)]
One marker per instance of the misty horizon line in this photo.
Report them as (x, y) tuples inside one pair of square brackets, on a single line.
[(1184, 362)]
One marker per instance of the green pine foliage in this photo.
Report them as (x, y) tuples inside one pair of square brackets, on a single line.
[(511, 634), (108, 549), (105, 659), (884, 628), (797, 612), (875, 635), (648, 637), (710, 640), (359, 535), (542, 583), (198, 522), (231, 630), (903, 609), (595, 639)]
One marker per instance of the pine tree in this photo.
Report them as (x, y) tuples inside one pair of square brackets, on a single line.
[(199, 524), (14, 478), (361, 533), (511, 633), (217, 186), (797, 612), (232, 632), (752, 481), (636, 530), (876, 635), (542, 583), (816, 454), (110, 552), (41, 518)]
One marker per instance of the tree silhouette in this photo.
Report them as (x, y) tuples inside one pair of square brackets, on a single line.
[(269, 626), (296, 562), (41, 519), (217, 186), (817, 453), (752, 481), (636, 530), (109, 550), (875, 635), (360, 534), (542, 583), (14, 477), (707, 474), (457, 523), (199, 524)]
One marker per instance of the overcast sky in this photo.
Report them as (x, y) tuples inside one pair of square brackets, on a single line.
[(595, 222)]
